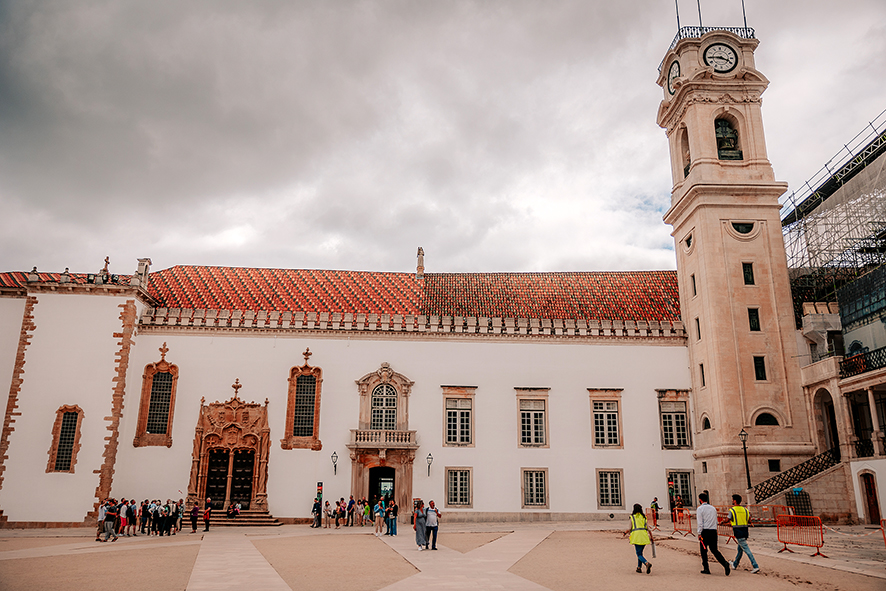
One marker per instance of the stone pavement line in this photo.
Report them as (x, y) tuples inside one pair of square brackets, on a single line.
[(228, 560), (485, 567)]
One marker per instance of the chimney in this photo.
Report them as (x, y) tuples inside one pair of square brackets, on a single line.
[(420, 268), (140, 277)]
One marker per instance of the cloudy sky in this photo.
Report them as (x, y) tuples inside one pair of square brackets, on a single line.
[(500, 135)]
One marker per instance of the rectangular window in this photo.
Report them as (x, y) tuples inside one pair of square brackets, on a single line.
[(458, 487), (606, 423), (158, 407), (697, 329), (458, 421), (65, 449), (748, 272), (532, 422), (674, 424), (609, 488), (754, 319), (775, 465), (701, 372), (694, 290), (682, 485), (303, 417), (535, 492), (760, 369)]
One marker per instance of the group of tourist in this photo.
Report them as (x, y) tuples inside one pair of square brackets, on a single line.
[(739, 518), (150, 518), (153, 518), (383, 512)]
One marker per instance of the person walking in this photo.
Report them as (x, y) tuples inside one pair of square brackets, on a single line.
[(316, 510), (110, 520), (707, 534), (420, 526), (739, 518), (207, 513), (351, 506), (640, 537), (327, 513), (431, 516)]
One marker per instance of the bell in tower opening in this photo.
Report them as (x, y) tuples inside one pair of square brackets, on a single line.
[(727, 141)]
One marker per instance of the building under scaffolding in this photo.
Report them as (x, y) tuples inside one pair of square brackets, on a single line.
[(835, 226)]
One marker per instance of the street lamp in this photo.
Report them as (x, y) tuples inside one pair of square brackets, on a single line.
[(430, 461), (743, 436), (334, 463)]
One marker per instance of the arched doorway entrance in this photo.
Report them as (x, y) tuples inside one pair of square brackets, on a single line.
[(871, 502), (826, 415), (229, 463)]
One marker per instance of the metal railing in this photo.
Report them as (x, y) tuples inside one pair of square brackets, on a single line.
[(867, 361), (694, 32), (864, 448), (383, 438), (785, 480)]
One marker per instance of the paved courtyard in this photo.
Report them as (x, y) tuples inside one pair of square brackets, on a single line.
[(557, 556)]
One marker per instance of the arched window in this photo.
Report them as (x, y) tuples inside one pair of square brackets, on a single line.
[(766, 419), (728, 147), (65, 439), (706, 424), (157, 406), (303, 407), (384, 408), (685, 154)]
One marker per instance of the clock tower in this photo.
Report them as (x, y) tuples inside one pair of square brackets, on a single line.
[(735, 295)]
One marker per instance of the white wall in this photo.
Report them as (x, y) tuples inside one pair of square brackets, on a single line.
[(208, 366), (70, 360), (878, 467)]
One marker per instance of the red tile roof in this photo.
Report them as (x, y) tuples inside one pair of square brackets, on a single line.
[(627, 295)]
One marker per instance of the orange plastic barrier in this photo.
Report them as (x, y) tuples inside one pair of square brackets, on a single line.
[(724, 530), (800, 530), (683, 522), (766, 514), (652, 519), (883, 529)]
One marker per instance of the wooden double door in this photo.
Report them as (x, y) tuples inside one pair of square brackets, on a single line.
[(229, 477)]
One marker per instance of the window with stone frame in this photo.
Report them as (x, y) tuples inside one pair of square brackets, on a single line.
[(65, 439), (303, 407), (609, 489), (673, 408), (532, 404), (535, 489), (682, 485), (606, 418), (157, 407), (384, 401), (458, 487), (459, 415)]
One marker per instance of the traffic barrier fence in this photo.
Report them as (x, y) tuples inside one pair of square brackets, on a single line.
[(652, 520), (724, 529), (766, 514), (683, 522), (800, 530)]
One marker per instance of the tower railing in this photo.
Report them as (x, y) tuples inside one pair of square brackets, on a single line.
[(694, 32)]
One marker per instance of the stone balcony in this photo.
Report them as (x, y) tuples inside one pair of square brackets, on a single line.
[(382, 439)]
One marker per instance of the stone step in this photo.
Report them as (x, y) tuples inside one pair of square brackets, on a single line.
[(246, 518)]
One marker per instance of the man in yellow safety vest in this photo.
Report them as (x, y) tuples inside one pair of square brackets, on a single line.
[(739, 517)]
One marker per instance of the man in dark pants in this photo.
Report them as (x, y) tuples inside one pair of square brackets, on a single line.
[(316, 510), (207, 513), (707, 534)]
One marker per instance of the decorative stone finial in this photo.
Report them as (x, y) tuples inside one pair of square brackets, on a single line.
[(420, 267), (163, 351), (307, 354), (32, 276), (236, 386), (65, 277), (105, 268)]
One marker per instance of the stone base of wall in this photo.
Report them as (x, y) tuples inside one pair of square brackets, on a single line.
[(44, 525), (831, 494)]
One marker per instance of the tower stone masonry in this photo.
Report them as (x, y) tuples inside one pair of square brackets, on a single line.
[(732, 270)]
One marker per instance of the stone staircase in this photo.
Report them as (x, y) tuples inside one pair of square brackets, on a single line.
[(247, 518), (789, 478)]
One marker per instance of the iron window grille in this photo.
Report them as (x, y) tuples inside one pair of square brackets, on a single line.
[(65, 448), (610, 489), (458, 488), (674, 424), (305, 397), (158, 407)]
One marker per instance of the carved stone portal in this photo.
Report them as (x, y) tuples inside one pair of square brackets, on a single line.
[(229, 462)]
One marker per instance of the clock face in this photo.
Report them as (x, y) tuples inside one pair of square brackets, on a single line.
[(673, 73), (721, 57)]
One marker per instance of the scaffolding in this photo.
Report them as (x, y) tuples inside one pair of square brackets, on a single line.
[(834, 227)]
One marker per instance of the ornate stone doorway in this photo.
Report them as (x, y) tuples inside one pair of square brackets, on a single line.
[(229, 463)]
